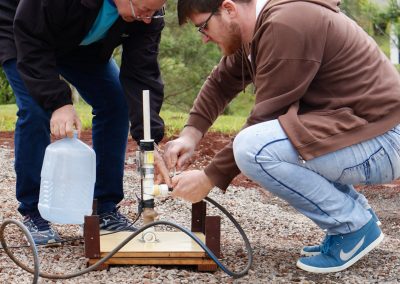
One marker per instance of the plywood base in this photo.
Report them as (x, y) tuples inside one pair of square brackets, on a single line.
[(172, 248)]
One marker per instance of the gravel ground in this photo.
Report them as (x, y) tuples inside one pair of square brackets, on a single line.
[(276, 233)]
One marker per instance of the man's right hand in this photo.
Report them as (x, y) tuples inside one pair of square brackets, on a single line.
[(63, 122), (178, 152)]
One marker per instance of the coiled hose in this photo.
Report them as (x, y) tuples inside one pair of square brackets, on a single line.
[(36, 270)]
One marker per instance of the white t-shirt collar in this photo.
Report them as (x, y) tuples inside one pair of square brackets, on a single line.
[(259, 6)]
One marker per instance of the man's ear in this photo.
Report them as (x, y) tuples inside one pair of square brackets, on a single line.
[(229, 7)]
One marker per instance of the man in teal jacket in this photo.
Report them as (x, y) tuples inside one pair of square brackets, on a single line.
[(75, 39)]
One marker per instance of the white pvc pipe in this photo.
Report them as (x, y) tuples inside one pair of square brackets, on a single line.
[(146, 115)]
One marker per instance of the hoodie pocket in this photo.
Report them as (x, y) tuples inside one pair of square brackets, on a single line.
[(323, 124)]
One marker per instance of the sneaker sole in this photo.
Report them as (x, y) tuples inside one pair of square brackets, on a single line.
[(102, 232), (344, 266), (49, 245)]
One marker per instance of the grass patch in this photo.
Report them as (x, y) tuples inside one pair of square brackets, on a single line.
[(228, 124), (174, 121), (7, 117), (85, 114)]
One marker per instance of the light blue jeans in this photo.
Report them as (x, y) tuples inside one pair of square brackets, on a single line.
[(321, 188)]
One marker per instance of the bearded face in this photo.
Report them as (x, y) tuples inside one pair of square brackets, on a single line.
[(231, 40)]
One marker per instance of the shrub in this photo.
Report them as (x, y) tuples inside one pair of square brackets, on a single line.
[(6, 93)]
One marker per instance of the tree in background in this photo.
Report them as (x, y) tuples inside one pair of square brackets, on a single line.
[(6, 93), (185, 61)]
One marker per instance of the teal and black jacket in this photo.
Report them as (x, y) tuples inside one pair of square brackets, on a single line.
[(47, 32)]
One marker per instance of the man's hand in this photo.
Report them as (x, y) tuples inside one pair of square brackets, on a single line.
[(178, 152), (63, 120), (191, 186)]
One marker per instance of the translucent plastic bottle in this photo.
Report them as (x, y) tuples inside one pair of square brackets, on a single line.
[(67, 181)]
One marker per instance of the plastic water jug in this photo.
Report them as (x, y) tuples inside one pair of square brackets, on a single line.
[(67, 181)]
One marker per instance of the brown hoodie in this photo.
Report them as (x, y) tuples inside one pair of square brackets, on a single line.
[(316, 71)]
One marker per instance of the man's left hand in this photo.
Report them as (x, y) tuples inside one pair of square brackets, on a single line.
[(191, 186), (161, 171)]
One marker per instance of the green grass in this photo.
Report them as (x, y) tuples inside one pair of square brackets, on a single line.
[(85, 114), (7, 117), (228, 124), (174, 121)]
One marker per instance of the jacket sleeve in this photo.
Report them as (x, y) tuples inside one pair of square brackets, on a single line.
[(140, 71), (36, 60), (7, 45)]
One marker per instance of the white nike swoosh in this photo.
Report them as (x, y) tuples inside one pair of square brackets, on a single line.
[(347, 255)]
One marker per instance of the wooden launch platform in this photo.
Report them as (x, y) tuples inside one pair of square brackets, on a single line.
[(171, 248)]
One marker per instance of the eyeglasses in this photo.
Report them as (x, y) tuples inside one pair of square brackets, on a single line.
[(159, 16), (203, 27)]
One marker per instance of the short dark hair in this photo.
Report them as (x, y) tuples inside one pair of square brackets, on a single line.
[(188, 7)]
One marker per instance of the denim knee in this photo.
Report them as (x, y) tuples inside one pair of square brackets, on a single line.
[(243, 150), (33, 114)]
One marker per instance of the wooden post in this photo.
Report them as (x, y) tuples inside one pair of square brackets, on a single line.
[(199, 217), (213, 234), (91, 235)]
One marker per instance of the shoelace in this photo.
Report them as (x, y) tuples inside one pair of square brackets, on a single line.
[(326, 244), (118, 216), (39, 223), (125, 219)]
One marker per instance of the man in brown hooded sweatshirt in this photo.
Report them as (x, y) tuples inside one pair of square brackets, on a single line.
[(326, 116)]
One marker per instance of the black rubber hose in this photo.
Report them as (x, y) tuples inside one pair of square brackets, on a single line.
[(26, 232)]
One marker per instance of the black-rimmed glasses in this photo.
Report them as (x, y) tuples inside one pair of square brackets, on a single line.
[(203, 27), (159, 16)]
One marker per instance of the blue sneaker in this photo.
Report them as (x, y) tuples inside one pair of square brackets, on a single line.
[(115, 222), (341, 251), (375, 217), (315, 250), (41, 231)]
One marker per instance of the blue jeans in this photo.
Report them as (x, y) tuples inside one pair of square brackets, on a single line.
[(321, 188), (99, 86)]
